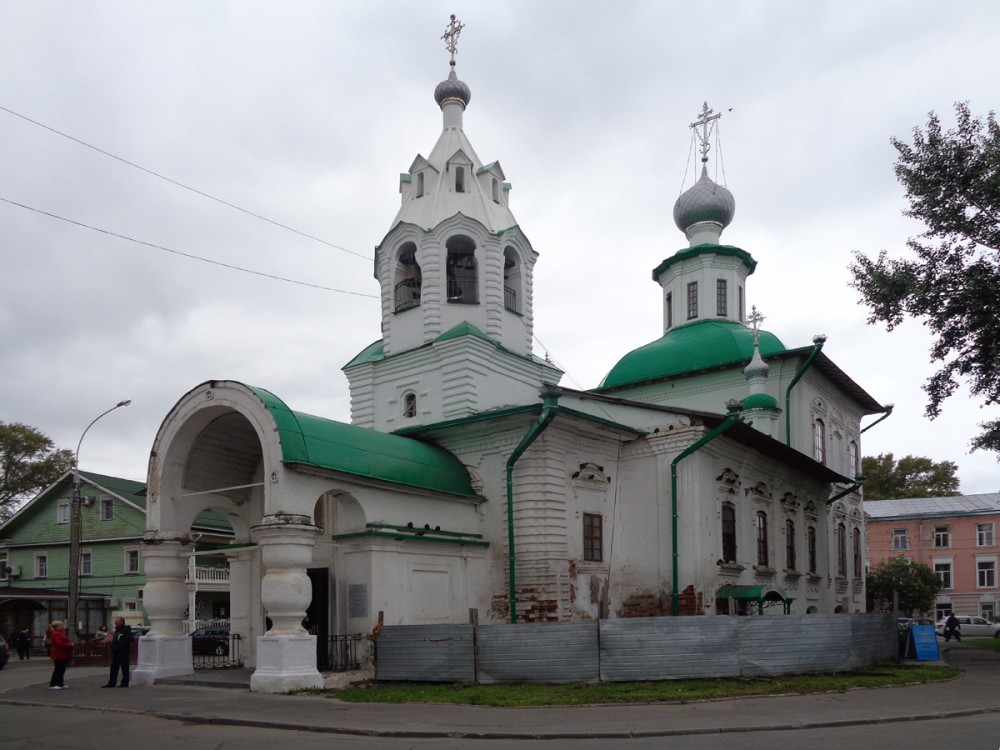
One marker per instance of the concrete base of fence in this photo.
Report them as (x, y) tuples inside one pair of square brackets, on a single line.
[(162, 656), (285, 662)]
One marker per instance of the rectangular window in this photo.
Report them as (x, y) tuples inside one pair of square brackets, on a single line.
[(811, 548), (62, 512), (86, 563), (984, 534), (856, 550), (841, 551), (728, 533), (692, 300), (593, 537), (789, 544), (943, 570), (743, 310), (942, 537), (131, 561), (41, 565), (987, 574), (762, 557), (669, 306), (987, 610), (721, 306), (107, 508), (3, 566), (900, 539), (819, 441)]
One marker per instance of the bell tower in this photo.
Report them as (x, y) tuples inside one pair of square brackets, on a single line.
[(455, 273)]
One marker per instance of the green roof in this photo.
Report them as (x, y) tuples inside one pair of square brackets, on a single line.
[(132, 491), (346, 448), (691, 252), (760, 401), (707, 344)]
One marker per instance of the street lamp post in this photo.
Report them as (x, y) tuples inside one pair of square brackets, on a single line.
[(72, 603)]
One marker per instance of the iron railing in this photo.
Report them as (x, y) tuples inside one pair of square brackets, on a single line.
[(342, 652)]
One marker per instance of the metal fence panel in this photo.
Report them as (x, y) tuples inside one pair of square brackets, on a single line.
[(668, 648), (874, 640), (538, 652), (426, 653), (794, 644)]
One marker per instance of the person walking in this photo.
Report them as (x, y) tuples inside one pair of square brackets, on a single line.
[(22, 640), (121, 648), (61, 651), (952, 628)]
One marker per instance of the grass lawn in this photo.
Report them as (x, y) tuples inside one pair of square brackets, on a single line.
[(635, 692)]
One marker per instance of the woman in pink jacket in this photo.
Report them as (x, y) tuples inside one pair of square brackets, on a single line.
[(61, 651)]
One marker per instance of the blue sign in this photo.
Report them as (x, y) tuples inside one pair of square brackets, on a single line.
[(923, 643)]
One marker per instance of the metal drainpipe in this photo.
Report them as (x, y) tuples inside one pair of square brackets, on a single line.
[(886, 413), (818, 342), (550, 397), (732, 417)]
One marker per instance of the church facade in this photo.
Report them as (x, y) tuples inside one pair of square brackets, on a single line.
[(711, 472)]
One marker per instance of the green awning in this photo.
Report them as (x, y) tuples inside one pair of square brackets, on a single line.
[(761, 593)]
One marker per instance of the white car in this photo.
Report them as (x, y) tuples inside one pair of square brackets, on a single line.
[(972, 627)]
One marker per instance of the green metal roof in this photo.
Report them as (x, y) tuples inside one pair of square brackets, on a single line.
[(759, 593), (706, 344), (760, 401), (691, 252), (346, 448)]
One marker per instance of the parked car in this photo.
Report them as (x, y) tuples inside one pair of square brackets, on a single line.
[(905, 623), (211, 640), (4, 653), (972, 627)]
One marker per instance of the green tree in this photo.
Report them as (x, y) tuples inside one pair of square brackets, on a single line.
[(911, 476), (915, 583), (952, 182), (29, 462)]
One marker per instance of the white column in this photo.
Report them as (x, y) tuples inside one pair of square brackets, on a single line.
[(166, 650), (286, 654)]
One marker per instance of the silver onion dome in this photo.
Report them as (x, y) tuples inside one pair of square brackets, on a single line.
[(705, 201), (452, 90)]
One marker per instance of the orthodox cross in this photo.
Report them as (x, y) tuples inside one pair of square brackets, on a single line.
[(755, 319), (704, 121), (451, 37)]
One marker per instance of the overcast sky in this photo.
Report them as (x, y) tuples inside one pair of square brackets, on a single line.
[(306, 112)]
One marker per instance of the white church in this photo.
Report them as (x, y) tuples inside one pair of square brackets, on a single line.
[(711, 472)]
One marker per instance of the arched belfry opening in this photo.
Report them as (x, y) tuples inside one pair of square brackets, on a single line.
[(462, 269)]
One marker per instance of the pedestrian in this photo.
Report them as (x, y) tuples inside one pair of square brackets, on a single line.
[(952, 627), (121, 647), (101, 635), (22, 640), (61, 651)]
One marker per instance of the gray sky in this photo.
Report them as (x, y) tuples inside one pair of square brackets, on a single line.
[(306, 113)]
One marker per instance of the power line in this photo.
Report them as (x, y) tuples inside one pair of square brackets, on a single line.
[(186, 255), (182, 185)]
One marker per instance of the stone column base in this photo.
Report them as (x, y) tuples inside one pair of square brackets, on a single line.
[(285, 662), (162, 656)]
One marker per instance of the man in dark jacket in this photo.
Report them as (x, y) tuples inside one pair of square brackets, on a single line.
[(121, 646), (952, 628)]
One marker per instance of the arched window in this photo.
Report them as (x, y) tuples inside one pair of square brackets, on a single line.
[(762, 556), (461, 269), (789, 544), (459, 179), (819, 441), (410, 405), (512, 282), (856, 549), (811, 548), (852, 458), (841, 550), (420, 184), (408, 278), (728, 533)]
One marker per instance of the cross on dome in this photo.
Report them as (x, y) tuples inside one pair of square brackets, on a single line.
[(450, 37), (755, 319), (704, 121)]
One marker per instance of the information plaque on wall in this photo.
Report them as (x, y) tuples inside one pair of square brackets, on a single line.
[(357, 600)]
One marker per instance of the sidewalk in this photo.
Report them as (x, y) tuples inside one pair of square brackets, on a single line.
[(976, 692)]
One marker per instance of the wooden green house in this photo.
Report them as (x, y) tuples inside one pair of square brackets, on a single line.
[(35, 554)]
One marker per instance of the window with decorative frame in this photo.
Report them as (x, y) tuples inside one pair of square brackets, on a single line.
[(409, 405), (789, 544), (762, 554), (819, 441), (107, 508), (986, 574), (62, 512), (811, 548), (942, 537), (41, 565), (984, 534), (131, 561), (841, 550), (728, 533), (856, 551)]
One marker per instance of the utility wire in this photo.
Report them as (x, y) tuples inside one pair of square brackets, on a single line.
[(181, 184), (186, 255)]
